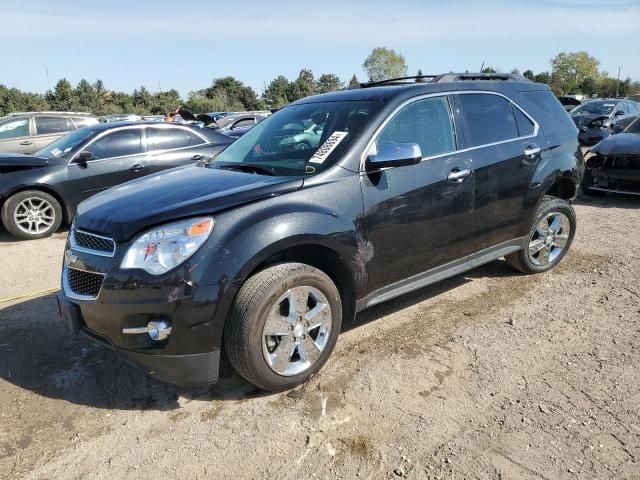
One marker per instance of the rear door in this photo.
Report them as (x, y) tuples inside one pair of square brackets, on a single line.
[(418, 217), (504, 144), (118, 158), (15, 135), (173, 146), (49, 129)]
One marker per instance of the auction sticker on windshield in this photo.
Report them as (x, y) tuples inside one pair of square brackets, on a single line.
[(327, 147)]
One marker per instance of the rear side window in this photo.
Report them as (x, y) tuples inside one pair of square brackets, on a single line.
[(525, 126), (51, 125), (169, 138), (426, 122), (489, 118), (84, 121), (549, 103), (117, 144), (14, 128)]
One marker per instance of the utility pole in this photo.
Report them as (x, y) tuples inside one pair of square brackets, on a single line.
[(618, 82)]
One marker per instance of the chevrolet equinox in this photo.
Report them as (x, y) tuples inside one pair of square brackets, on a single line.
[(333, 204)]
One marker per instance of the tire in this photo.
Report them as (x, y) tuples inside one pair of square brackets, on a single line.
[(547, 242), (587, 182), (46, 221), (261, 358)]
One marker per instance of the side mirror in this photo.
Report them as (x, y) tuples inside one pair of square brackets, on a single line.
[(84, 157), (619, 113), (394, 155)]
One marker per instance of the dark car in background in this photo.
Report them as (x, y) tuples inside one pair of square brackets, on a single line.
[(28, 132), (39, 192), (268, 249), (569, 103), (597, 119), (237, 125), (614, 164)]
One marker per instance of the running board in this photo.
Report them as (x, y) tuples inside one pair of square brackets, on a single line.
[(440, 273)]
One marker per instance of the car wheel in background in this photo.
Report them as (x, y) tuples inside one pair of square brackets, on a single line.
[(283, 326), (31, 214), (550, 237)]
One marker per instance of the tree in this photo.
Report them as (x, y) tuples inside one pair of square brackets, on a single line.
[(241, 96), (529, 74), (85, 96), (62, 97), (142, 100), (515, 71), (384, 63), (303, 86), (275, 96), (328, 82), (569, 70), (354, 82), (543, 77), (489, 70)]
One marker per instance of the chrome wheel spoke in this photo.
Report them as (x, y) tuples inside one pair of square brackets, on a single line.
[(561, 240), (535, 246), (281, 356), (320, 315), (308, 350), (277, 325)]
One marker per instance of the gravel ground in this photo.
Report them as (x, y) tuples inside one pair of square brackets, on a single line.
[(491, 374)]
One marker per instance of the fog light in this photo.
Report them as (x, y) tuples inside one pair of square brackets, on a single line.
[(157, 330)]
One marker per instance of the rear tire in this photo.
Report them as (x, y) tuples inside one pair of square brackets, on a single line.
[(549, 239), (283, 326), (31, 214)]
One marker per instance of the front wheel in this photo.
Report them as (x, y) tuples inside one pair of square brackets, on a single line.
[(31, 214), (283, 326), (550, 237)]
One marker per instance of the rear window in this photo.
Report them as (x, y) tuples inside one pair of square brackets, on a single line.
[(546, 100), (489, 118), (51, 125)]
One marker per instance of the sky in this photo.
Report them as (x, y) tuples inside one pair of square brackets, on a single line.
[(185, 44)]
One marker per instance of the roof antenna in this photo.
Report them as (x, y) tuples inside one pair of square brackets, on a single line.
[(482, 67)]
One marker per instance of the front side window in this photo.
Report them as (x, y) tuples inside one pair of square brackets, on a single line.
[(51, 125), (299, 139), (117, 144), (14, 128), (170, 138), (597, 107), (427, 122), (489, 118)]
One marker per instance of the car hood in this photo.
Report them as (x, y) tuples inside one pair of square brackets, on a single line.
[(21, 160), (182, 192), (587, 118), (620, 144)]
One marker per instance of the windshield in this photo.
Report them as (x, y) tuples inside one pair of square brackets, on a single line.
[(599, 108), (299, 139), (67, 145), (634, 127)]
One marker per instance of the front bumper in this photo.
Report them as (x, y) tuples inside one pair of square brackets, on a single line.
[(181, 369), (588, 137)]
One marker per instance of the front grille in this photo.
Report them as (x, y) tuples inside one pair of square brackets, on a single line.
[(93, 242), (84, 283)]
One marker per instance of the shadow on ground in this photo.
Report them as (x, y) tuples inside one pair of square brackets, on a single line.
[(38, 354)]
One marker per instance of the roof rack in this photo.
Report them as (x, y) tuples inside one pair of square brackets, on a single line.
[(450, 77), (51, 112)]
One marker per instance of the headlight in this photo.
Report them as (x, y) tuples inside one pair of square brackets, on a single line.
[(163, 248)]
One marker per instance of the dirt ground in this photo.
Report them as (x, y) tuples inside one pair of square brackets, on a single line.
[(491, 374)]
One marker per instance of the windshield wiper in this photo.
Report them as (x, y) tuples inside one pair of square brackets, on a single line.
[(248, 167)]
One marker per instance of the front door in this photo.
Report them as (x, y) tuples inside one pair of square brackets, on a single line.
[(117, 158), (15, 135), (418, 217)]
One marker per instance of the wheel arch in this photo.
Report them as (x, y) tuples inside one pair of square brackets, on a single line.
[(66, 213)]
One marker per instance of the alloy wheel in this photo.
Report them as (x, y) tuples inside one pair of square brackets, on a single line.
[(549, 238), (34, 215)]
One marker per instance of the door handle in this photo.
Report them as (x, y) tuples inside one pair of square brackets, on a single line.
[(26, 142), (137, 167), (197, 157), (531, 151), (457, 175)]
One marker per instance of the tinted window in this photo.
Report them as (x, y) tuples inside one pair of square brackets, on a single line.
[(247, 122), (49, 125), (84, 121), (167, 138), (525, 126), (425, 122), (631, 107), (489, 118), (14, 127), (549, 103), (117, 144)]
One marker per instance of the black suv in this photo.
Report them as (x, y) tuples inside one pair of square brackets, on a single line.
[(266, 250)]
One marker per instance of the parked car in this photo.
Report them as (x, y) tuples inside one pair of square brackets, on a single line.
[(615, 164), (267, 250), (39, 192), (28, 132), (597, 118), (237, 125), (122, 117)]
